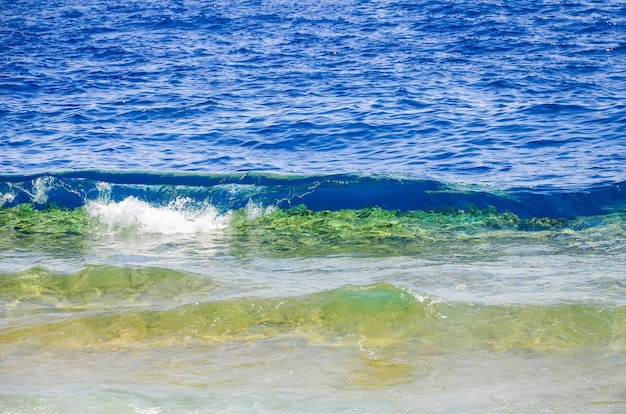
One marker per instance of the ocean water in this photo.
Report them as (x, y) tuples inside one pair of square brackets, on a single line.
[(280, 206)]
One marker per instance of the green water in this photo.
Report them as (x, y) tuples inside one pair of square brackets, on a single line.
[(301, 311), (95, 310), (302, 232)]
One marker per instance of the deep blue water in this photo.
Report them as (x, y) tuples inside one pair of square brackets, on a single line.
[(525, 93), (317, 192), (186, 130)]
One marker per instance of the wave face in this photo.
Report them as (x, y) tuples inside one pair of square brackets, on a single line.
[(317, 192), (378, 316)]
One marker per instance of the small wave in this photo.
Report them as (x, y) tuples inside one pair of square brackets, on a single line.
[(379, 318), (101, 286), (255, 230), (153, 202)]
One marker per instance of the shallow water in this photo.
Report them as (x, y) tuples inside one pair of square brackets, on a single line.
[(139, 306), (278, 206), (158, 340)]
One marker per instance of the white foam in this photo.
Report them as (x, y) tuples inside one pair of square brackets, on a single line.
[(41, 186), (177, 217), (6, 198), (254, 211)]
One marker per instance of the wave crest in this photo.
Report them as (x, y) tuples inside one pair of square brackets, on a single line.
[(174, 218)]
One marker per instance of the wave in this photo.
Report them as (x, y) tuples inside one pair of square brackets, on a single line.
[(299, 231), (268, 215), (100, 287), (227, 192), (381, 317)]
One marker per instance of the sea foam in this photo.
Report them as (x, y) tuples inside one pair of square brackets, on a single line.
[(180, 216)]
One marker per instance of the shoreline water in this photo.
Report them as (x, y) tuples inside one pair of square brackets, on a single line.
[(279, 206)]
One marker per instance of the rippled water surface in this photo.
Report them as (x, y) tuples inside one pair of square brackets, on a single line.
[(526, 92), (281, 206)]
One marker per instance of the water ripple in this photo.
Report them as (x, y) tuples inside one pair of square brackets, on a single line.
[(514, 94)]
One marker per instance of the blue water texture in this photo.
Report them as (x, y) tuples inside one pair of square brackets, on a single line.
[(527, 94), (316, 192)]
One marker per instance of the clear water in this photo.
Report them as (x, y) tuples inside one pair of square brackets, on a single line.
[(273, 206)]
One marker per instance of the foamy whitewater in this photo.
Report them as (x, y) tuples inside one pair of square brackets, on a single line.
[(134, 214), (280, 206)]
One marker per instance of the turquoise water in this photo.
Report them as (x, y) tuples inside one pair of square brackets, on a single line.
[(279, 206), (135, 304)]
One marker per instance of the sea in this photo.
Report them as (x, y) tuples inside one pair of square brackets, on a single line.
[(280, 206)]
